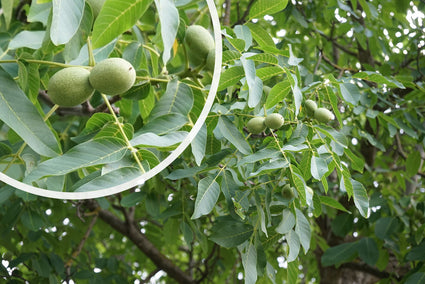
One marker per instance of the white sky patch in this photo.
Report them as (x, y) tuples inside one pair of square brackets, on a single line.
[(268, 18), (281, 33)]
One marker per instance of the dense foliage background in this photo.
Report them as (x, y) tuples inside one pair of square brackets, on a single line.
[(222, 212)]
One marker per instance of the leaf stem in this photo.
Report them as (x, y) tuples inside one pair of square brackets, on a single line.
[(92, 62), (131, 148), (52, 63)]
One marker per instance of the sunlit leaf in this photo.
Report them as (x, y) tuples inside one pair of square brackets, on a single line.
[(264, 7), (116, 17), (17, 111), (90, 153), (208, 192), (66, 19)]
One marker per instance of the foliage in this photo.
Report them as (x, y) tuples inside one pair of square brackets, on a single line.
[(304, 202)]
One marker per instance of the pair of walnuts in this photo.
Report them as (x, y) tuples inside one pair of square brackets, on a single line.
[(258, 124), (72, 86)]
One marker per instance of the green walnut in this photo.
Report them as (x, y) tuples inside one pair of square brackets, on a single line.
[(70, 86), (113, 76), (310, 107), (199, 42), (256, 125), (210, 60), (287, 192), (323, 115), (96, 6), (274, 121), (266, 90)]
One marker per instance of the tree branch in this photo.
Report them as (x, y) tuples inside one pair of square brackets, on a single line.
[(129, 230), (80, 246), (245, 14), (370, 270), (226, 17), (85, 109)]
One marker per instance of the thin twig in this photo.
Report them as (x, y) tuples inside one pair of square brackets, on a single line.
[(82, 242)]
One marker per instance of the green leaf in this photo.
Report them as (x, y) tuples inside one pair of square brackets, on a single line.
[(109, 179), (345, 182), (169, 19), (231, 77), (164, 124), (150, 139), (319, 167), (300, 186), (262, 154), (334, 103), (329, 201), (243, 32), (416, 278), (368, 251), (386, 227), (417, 253), (255, 85), (237, 43), (95, 123), (339, 254), (185, 173), (372, 140), (333, 134), (264, 58), (270, 167), (178, 98), (66, 19), (266, 73), (39, 12), (350, 93), (229, 131), (361, 200), (5, 150), (91, 153), (230, 233), (7, 7), (266, 7), (296, 91), (249, 262), (294, 245), (317, 205), (116, 17), (261, 36), (378, 78), (357, 163), (413, 163), (132, 199), (292, 272), (343, 224), (287, 222), (278, 93), (30, 39), (199, 144), (208, 192), (17, 111), (302, 228), (293, 61), (230, 55), (32, 220), (73, 46)]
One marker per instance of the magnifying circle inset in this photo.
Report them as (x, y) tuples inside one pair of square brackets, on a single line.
[(163, 164)]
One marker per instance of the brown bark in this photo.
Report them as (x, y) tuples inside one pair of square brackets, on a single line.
[(129, 229)]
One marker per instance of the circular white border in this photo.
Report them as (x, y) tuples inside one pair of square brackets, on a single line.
[(163, 164)]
